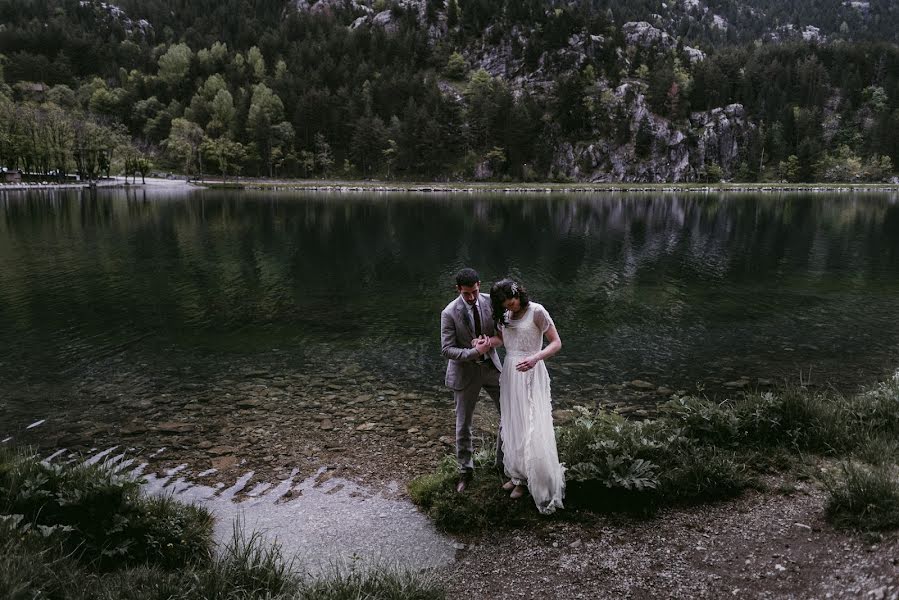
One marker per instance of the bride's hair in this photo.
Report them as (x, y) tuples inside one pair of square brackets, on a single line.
[(503, 290)]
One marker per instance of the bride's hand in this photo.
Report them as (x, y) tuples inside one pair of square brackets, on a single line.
[(527, 364)]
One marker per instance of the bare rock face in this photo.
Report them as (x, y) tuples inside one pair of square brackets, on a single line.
[(694, 54), (385, 21), (326, 6), (678, 152), (641, 33), (720, 133)]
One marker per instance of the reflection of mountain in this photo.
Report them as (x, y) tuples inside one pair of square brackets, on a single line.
[(659, 285)]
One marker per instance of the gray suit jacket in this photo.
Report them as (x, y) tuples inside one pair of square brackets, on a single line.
[(456, 333)]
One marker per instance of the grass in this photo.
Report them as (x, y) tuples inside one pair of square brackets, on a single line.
[(699, 451), (484, 504), (80, 532), (864, 496)]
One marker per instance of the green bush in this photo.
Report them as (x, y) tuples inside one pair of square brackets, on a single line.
[(703, 420), (106, 519)]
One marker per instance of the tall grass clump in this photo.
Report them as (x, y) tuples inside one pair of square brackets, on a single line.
[(380, 584), (863, 496)]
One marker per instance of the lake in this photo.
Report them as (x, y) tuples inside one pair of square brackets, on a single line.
[(688, 291)]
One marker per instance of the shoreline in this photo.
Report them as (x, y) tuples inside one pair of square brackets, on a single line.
[(765, 542), (363, 186), (546, 187)]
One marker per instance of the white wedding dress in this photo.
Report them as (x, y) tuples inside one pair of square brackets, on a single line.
[(529, 441)]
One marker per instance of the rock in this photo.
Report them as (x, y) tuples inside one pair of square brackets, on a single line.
[(641, 33), (878, 593), (385, 21), (221, 450), (413, 430), (326, 425), (641, 385), (366, 426), (224, 462), (133, 429), (694, 54), (664, 391), (249, 403), (175, 427), (204, 445), (447, 440), (562, 415), (737, 385)]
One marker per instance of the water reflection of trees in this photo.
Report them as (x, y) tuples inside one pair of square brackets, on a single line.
[(624, 272)]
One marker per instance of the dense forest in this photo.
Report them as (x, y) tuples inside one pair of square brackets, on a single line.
[(493, 89)]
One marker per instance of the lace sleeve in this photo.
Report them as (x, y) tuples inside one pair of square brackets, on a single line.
[(542, 319)]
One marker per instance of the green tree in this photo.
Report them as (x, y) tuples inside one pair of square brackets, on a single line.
[(265, 125), (185, 141), (369, 143), (226, 153), (222, 113), (175, 64), (323, 158), (256, 63), (643, 141), (790, 169), (452, 14), (456, 67), (390, 154), (307, 162)]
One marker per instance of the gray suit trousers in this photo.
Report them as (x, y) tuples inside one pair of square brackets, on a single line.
[(487, 377)]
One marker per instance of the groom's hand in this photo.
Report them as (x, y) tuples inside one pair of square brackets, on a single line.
[(482, 344)]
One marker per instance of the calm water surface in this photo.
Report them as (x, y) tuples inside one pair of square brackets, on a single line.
[(674, 289)]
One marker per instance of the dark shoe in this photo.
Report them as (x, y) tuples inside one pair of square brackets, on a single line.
[(464, 480)]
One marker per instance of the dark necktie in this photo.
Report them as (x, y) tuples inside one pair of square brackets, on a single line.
[(477, 320)]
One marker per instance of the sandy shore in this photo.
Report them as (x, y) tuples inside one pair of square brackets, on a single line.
[(155, 183)]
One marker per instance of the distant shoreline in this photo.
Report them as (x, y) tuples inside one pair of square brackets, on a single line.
[(471, 187), (315, 185)]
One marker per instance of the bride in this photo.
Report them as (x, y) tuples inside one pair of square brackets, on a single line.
[(529, 442)]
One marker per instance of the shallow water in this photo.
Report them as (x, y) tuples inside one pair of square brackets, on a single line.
[(671, 288), (318, 523)]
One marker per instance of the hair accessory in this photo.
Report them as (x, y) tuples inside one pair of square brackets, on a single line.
[(514, 288)]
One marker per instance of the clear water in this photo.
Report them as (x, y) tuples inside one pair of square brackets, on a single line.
[(672, 288)]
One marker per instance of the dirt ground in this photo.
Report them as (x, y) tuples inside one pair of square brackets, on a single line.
[(763, 545)]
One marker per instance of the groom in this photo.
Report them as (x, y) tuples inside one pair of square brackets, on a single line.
[(472, 366)]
